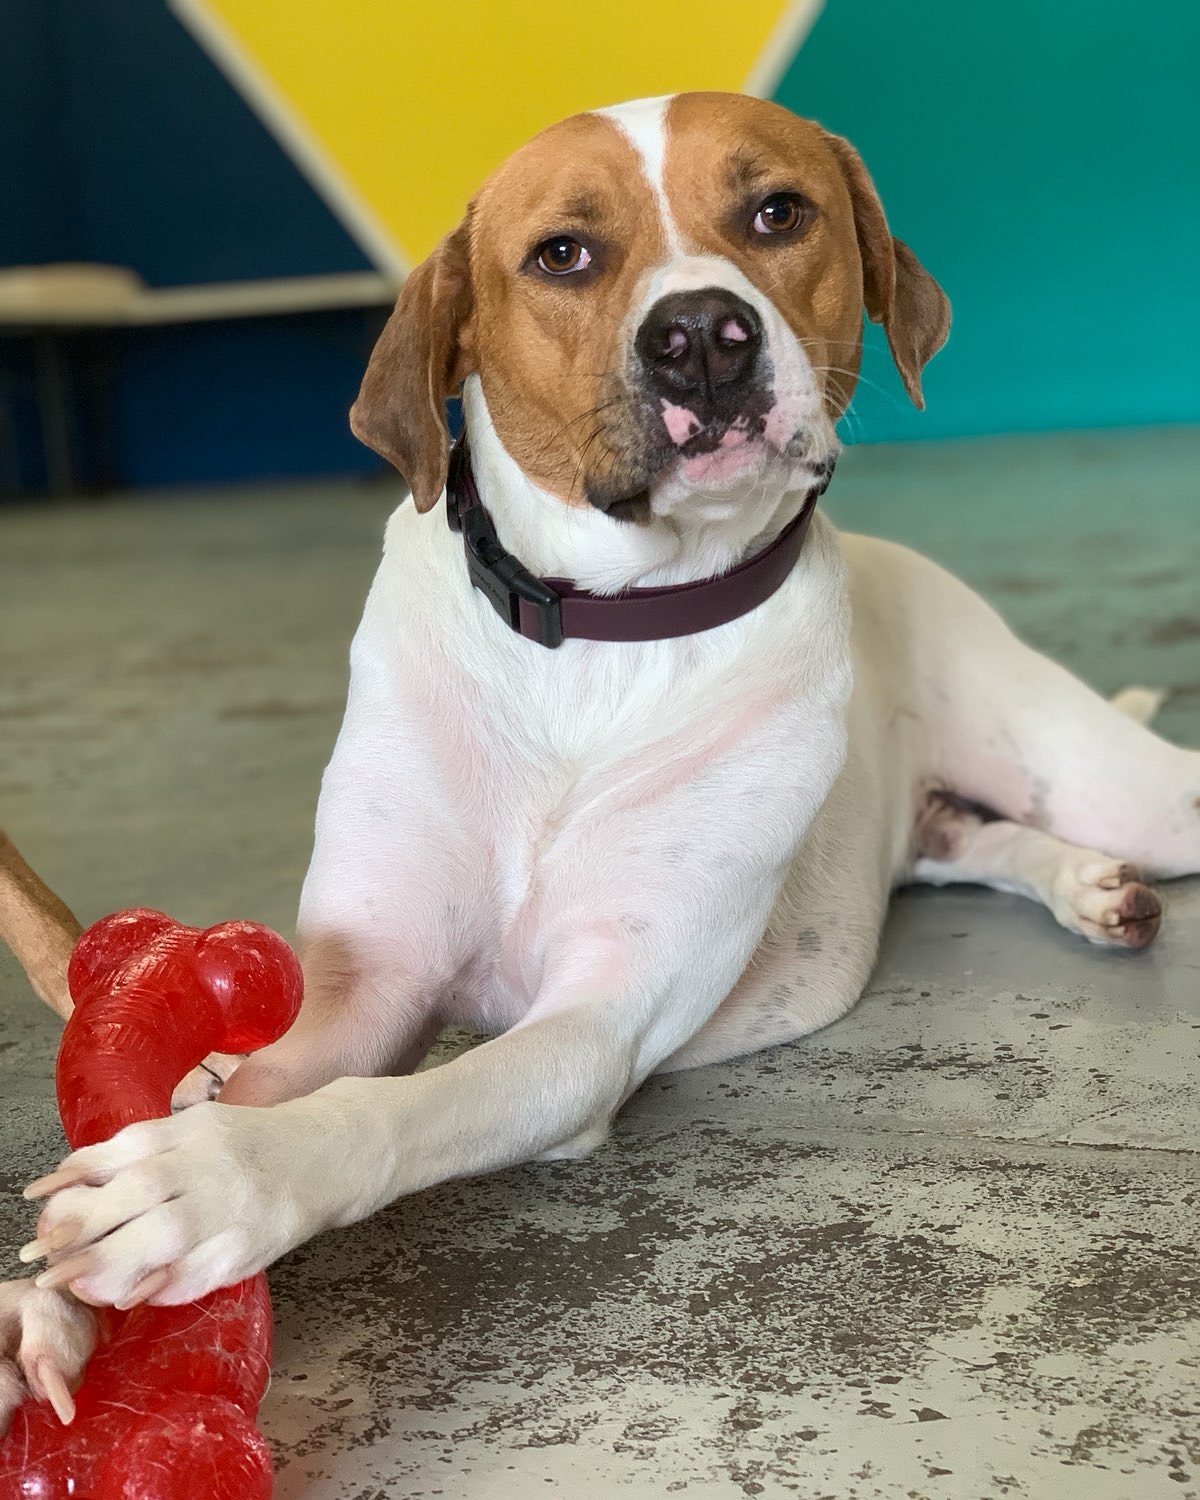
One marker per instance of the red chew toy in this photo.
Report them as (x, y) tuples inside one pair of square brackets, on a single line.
[(167, 1409)]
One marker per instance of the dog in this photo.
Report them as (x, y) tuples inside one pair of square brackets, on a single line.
[(637, 746)]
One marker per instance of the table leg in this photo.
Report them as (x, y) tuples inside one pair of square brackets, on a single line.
[(54, 412)]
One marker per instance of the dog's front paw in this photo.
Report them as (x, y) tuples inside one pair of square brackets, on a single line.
[(207, 1080), (169, 1209), (46, 1339)]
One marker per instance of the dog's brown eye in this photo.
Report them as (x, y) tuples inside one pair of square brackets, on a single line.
[(562, 255), (780, 213)]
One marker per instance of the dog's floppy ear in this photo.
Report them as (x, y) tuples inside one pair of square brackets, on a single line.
[(897, 289), (423, 355)]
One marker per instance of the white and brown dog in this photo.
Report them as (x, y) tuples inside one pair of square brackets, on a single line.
[(614, 853)]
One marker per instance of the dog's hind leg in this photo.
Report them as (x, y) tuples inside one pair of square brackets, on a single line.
[(1010, 730), (1040, 748), (1102, 899)]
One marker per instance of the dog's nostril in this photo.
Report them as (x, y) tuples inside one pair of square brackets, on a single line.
[(733, 332), (675, 343)]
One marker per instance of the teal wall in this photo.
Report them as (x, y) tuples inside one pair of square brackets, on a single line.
[(1042, 157)]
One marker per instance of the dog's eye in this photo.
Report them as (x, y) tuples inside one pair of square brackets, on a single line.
[(779, 214), (562, 255)]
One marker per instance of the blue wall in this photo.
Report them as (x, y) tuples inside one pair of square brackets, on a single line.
[(1043, 159), (121, 142), (171, 170), (35, 221)]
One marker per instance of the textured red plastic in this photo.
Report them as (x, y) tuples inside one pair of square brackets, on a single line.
[(167, 1409)]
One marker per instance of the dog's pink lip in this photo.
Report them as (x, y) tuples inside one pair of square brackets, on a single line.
[(683, 425), (737, 451), (731, 449), (680, 421)]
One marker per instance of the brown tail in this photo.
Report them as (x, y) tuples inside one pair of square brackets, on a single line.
[(38, 927)]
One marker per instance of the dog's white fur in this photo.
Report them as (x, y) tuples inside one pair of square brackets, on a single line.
[(621, 858)]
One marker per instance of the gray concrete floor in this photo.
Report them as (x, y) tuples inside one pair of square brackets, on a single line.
[(944, 1250)]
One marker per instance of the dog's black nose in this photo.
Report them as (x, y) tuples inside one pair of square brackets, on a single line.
[(692, 344)]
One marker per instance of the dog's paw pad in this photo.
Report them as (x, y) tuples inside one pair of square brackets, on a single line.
[(1108, 903)]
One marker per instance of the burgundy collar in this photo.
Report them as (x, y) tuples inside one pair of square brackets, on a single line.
[(551, 610)]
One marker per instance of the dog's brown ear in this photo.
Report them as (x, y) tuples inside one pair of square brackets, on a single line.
[(897, 289), (423, 355)]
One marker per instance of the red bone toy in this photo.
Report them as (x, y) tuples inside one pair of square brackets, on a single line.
[(167, 1409)]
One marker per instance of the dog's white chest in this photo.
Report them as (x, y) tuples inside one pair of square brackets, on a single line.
[(537, 789)]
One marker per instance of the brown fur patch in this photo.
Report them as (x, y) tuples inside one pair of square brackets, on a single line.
[(547, 347), (724, 153)]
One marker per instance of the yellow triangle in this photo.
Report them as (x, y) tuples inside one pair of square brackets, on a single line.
[(399, 108)]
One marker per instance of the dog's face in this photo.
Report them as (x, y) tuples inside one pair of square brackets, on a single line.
[(661, 301)]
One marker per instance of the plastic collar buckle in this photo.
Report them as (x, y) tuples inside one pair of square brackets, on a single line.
[(505, 582)]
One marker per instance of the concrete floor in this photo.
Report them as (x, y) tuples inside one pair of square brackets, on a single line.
[(945, 1250)]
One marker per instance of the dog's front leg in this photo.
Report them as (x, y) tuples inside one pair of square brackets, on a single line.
[(168, 1210)]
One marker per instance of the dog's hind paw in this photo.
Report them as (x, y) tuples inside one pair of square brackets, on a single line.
[(1107, 902)]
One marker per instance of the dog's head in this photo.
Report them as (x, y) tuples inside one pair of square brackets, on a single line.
[(661, 302)]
